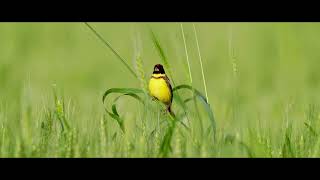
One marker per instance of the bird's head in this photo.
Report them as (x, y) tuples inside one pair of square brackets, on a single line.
[(158, 69)]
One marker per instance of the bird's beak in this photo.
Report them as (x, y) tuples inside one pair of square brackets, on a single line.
[(156, 69)]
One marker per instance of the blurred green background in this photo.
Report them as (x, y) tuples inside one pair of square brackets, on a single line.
[(257, 74)]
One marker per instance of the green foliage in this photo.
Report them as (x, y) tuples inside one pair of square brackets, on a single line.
[(261, 79), (124, 92)]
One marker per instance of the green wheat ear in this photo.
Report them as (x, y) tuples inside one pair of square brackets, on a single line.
[(59, 109), (139, 65), (232, 52), (141, 73)]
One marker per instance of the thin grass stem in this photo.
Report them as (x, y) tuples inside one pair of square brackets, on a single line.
[(200, 59), (112, 49), (186, 50), (190, 76)]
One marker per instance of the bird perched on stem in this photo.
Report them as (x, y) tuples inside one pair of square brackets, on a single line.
[(160, 87)]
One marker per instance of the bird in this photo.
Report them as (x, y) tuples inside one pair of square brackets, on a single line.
[(160, 87)]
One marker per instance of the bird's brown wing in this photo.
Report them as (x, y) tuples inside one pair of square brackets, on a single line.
[(169, 85)]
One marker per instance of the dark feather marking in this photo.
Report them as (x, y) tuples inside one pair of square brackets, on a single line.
[(169, 85)]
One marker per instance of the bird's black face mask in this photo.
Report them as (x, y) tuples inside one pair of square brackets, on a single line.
[(158, 69)]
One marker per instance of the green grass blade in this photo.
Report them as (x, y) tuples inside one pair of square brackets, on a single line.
[(166, 63), (132, 92), (122, 91), (161, 53), (186, 50), (184, 86), (159, 48), (106, 43), (165, 147), (287, 149), (204, 102), (200, 59)]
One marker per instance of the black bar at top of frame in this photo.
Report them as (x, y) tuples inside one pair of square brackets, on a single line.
[(161, 11)]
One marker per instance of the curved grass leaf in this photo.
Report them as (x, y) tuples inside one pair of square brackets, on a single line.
[(132, 92), (184, 86), (165, 147), (122, 91), (202, 99)]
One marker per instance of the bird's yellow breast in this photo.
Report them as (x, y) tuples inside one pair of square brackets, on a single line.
[(159, 89)]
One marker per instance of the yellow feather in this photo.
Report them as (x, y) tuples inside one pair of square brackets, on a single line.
[(158, 75), (159, 88)]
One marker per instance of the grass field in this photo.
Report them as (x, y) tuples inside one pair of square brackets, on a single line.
[(261, 83)]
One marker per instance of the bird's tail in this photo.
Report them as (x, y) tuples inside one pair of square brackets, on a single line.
[(170, 111)]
